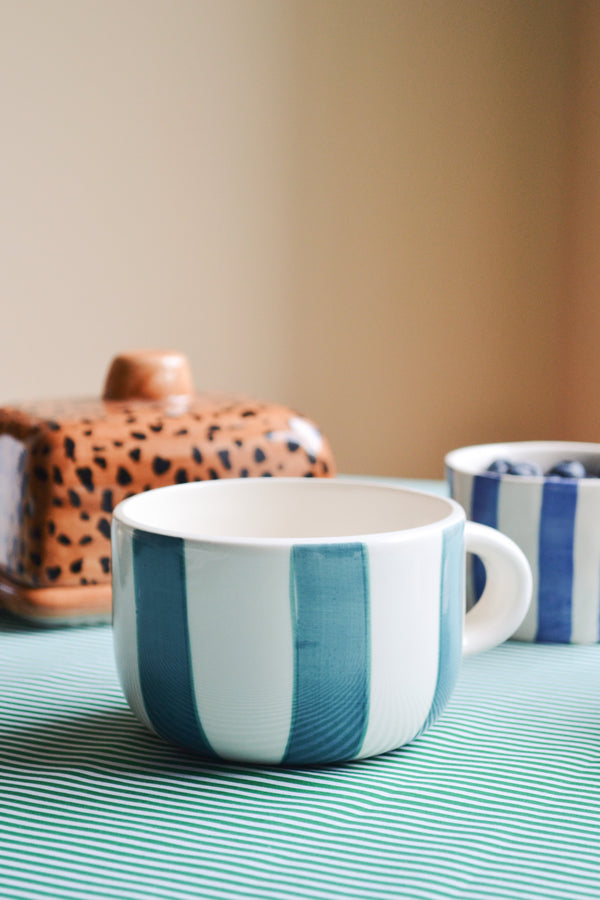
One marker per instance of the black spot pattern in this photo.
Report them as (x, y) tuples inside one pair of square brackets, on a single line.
[(197, 455), (40, 473), (56, 501), (50, 526), (135, 454), (181, 431), (160, 465), (248, 412), (157, 427), (224, 457), (53, 572), (100, 461), (74, 498), (181, 476), (104, 528), (86, 539), (105, 563), (123, 476), (56, 475), (213, 474), (138, 435), (107, 500), (36, 559), (53, 426), (259, 456), (84, 516), (244, 473), (85, 475), (75, 566), (63, 539), (293, 446), (210, 434)]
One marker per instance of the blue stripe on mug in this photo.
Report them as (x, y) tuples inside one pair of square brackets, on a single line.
[(451, 620), (484, 509), (557, 531), (329, 597), (163, 641), (449, 475)]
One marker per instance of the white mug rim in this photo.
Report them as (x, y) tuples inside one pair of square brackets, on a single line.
[(472, 459), (124, 517)]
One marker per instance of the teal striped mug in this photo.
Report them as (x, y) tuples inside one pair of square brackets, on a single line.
[(300, 621)]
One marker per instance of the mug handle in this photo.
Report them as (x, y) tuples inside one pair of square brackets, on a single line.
[(507, 594)]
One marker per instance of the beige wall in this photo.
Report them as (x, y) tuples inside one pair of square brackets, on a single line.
[(580, 390), (354, 207)]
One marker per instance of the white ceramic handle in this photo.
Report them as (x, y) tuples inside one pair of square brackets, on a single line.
[(507, 594)]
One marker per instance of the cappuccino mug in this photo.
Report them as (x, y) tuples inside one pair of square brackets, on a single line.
[(291, 621)]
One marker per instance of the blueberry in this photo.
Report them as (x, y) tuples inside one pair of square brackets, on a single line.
[(568, 468), (525, 468), (499, 466)]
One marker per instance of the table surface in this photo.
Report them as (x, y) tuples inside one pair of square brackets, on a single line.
[(501, 799)]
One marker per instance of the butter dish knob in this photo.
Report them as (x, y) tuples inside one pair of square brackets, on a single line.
[(148, 375)]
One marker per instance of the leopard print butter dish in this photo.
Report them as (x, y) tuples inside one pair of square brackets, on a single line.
[(64, 465)]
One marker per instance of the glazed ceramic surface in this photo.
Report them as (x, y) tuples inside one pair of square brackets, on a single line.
[(556, 522), (64, 465), (295, 622)]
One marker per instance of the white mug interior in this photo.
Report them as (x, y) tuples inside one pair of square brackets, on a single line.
[(284, 509), (474, 460)]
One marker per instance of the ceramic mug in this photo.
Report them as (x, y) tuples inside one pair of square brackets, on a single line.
[(554, 520), (300, 621)]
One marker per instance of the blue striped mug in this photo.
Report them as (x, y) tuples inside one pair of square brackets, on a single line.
[(555, 521), (300, 621)]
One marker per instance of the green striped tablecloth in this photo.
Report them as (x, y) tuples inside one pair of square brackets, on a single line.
[(500, 799)]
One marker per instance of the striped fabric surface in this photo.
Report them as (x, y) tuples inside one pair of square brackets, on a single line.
[(500, 799)]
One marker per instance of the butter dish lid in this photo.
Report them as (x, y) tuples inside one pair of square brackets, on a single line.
[(65, 464)]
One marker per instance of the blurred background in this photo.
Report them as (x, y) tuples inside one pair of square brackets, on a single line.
[(383, 213)]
